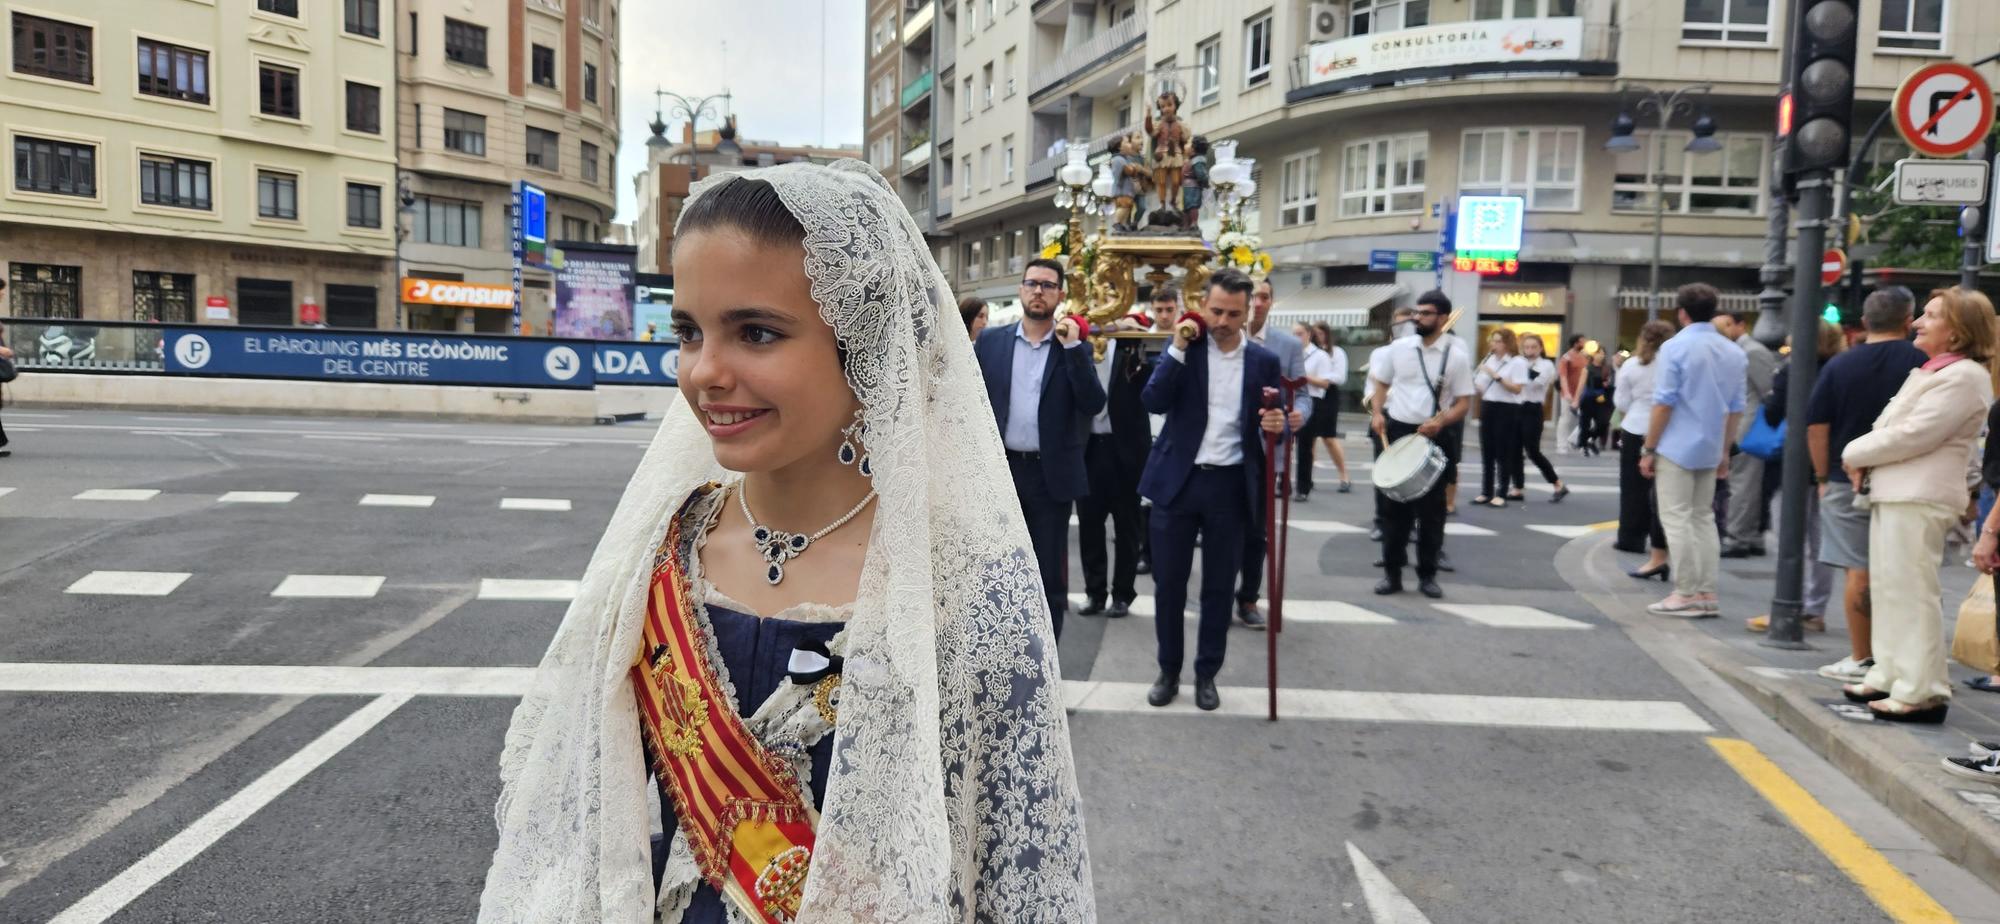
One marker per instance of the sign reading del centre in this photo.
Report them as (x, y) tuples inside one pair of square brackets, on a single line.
[(375, 357)]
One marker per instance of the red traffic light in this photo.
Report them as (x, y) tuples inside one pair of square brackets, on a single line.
[(1785, 115)]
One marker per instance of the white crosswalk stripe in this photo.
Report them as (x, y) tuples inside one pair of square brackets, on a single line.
[(534, 503), (517, 589), (1467, 529), (1580, 489), (258, 497), (328, 585), (129, 583), (1509, 616), (1562, 531), (397, 500), (1429, 708), (1328, 527), (6, 491), (117, 494), (1313, 611)]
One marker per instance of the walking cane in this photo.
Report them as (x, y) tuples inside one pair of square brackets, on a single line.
[(1277, 523)]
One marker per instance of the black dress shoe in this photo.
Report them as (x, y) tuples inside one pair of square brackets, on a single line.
[(1444, 562), (1164, 690), (1379, 562), (1250, 616), (1094, 607), (1145, 565), (1430, 588), (1743, 551), (1388, 585), (1119, 609), (1375, 535), (1205, 697)]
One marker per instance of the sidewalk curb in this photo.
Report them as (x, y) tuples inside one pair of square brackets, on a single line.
[(1890, 765)]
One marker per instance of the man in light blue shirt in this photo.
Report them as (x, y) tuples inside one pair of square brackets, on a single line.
[(1697, 399)]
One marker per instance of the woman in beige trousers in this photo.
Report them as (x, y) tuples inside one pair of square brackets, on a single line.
[(1911, 472)]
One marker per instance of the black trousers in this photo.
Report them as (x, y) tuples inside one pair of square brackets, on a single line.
[(1211, 504), (1324, 422), (1425, 514), (1381, 503), (1531, 448), (1638, 504), (1499, 433), (1048, 531), (1113, 494)]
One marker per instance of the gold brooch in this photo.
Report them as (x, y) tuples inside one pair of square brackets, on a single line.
[(826, 699)]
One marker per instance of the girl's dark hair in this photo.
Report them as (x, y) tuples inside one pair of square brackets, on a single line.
[(1201, 145), (750, 206), (969, 307)]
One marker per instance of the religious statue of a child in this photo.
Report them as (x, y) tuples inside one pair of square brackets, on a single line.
[(1129, 171), (1170, 147)]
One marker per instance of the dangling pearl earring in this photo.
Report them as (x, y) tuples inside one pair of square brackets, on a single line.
[(852, 445)]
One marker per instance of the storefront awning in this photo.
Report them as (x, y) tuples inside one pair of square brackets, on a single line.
[(1339, 306)]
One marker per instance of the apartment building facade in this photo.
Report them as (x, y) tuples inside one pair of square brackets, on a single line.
[(673, 168), (1369, 118), (212, 161), (492, 92)]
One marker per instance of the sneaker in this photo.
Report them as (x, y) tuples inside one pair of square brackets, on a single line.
[(1684, 607), (1847, 669), (1982, 750), (1976, 768)]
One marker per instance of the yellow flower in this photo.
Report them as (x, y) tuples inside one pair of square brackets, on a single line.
[(1240, 255), (1264, 262), (1053, 250)]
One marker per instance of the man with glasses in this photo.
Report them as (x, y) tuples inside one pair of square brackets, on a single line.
[(1423, 385), (1044, 391)]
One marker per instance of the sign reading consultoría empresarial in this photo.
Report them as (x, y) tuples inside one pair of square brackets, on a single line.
[(376, 357), (1489, 41)]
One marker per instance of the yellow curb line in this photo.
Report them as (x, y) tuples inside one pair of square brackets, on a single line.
[(1904, 901), (1600, 527)]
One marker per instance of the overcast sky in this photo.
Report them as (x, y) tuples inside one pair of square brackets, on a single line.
[(783, 88)]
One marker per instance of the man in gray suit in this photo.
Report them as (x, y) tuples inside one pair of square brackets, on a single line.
[(1742, 531), (1292, 365)]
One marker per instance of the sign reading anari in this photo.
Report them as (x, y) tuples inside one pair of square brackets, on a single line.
[(1493, 41)]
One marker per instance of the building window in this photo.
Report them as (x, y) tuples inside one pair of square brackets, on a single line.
[(1541, 165), (280, 7), (966, 172), (364, 17), (1208, 71), (465, 132), (1746, 21), (1007, 70), (1007, 159), (1257, 50), (1725, 182), (589, 82), (1372, 16), (1915, 24), (52, 48), (967, 96), (974, 268), (544, 65), (464, 43), (364, 108), (1298, 190), (63, 168), (364, 205), (986, 167), (544, 149), (1384, 175), (588, 165), (163, 297), (575, 229), (277, 195), (1522, 9), (277, 91), (173, 72), (41, 290), (450, 222), (174, 181), (988, 73)]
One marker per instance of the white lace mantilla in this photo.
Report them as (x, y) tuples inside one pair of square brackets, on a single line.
[(952, 795)]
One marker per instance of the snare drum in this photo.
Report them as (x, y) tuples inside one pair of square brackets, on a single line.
[(1409, 468)]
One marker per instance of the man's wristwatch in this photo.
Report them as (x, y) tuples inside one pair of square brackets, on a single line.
[(1647, 452)]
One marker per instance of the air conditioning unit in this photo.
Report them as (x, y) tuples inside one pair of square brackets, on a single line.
[(1326, 22)]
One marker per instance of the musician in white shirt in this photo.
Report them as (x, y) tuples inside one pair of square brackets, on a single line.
[(1534, 406), (1422, 385), (1501, 378), (1400, 325), (1325, 372)]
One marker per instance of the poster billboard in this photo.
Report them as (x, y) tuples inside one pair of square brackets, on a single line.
[(594, 294)]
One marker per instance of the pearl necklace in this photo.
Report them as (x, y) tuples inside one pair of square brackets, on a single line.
[(778, 546)]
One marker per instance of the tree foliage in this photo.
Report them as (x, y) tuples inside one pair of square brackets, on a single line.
[(1917, 237)]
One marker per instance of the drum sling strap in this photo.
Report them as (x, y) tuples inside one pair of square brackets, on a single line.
[(1437, 387)]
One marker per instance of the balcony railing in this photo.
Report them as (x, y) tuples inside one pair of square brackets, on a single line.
[(917, 89), (1044, 170), (943, 207), (1738, 302), (1595, 55), (917, 157), (915, 23), (1104, 45)]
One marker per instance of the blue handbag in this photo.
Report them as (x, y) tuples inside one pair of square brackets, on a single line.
[(1764, 441)]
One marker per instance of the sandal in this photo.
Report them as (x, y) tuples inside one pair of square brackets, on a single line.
[(1481, 501), (1983, 685)]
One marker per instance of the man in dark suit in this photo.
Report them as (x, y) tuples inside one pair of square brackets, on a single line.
[(1206, 469), (1044, 390), (1120, 438)]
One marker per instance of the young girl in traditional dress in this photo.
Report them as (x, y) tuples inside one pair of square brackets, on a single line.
[(813, 628)]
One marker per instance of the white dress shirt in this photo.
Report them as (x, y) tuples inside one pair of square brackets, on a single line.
[(1339, 358), (1495, 370), (1222, 439), (1319, 366), (1410, 369), (1541, 375), (1633, 394)]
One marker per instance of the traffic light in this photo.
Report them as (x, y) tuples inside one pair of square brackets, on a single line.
[(1831, 315), (1822, 82)]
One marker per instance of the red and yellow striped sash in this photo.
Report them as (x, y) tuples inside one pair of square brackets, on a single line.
[(742, 808)]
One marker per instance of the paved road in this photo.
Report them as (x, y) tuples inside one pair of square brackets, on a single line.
[(1512, 755)]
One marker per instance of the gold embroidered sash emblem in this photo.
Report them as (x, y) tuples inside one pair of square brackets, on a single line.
[(683, 712)]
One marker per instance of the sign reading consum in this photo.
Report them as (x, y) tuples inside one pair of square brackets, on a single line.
[(1489, 223)]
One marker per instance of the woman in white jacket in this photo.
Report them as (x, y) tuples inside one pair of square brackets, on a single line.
[(1911, 471)]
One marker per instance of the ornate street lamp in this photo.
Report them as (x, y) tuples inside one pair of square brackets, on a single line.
[(1078, 191), (1666, 105)]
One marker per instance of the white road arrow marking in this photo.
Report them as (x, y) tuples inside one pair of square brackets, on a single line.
[(1386, 903)]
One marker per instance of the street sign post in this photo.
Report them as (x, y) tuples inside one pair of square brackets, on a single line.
[(1943, 109), (1832, 266), (1940, 182)]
